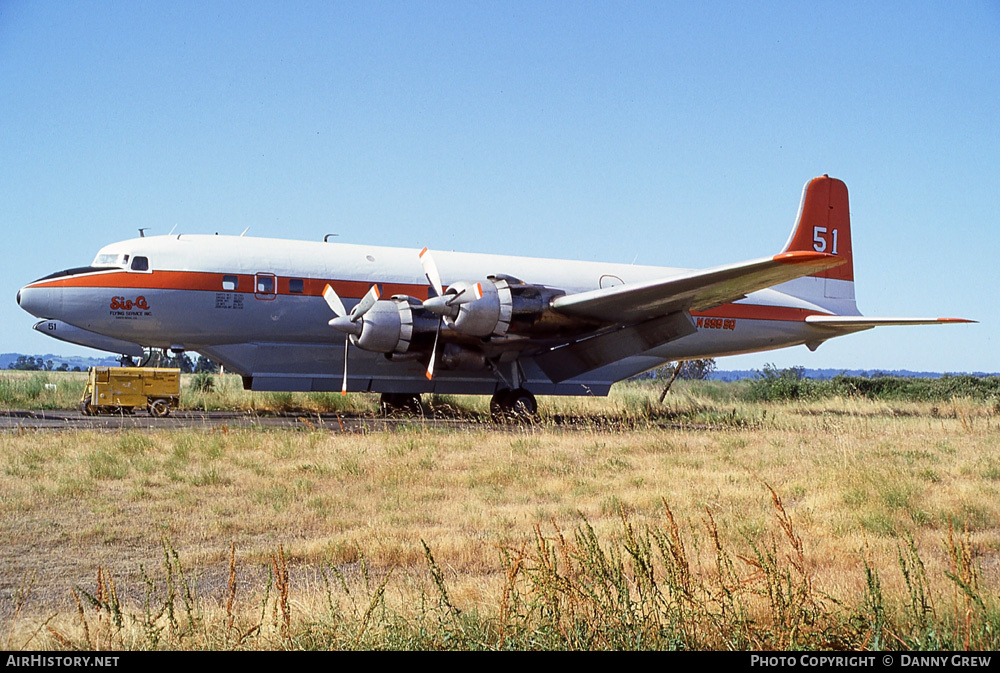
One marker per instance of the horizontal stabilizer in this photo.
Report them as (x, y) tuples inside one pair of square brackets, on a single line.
[(693, 291), (864, 322)]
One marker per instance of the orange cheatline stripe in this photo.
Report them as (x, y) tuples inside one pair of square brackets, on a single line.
[(758, 312), (351, 289), (212, 282)]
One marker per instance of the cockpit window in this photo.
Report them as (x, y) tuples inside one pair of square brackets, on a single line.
[(106, 260), (140, 264)]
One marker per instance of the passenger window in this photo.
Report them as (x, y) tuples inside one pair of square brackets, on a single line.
[(140, 264), (296, 285), (229, 283)]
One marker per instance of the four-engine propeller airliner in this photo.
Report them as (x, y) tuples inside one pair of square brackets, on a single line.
[(319, 316)]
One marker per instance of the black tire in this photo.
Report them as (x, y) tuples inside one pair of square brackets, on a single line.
[(517, 404), (499, 406), (522, 404), (393, 403), (159, 408)]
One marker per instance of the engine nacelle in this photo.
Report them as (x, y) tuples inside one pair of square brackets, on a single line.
[(505, 299), (487, 316), (389, 325)]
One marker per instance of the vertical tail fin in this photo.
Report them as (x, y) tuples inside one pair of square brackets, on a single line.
[(824, 225)]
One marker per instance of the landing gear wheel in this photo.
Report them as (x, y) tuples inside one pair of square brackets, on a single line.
[(522, 403), (513, 404), (401, 402), (498, 405), (159, 408)]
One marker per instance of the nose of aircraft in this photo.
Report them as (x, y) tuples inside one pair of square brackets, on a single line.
[(36, 301)]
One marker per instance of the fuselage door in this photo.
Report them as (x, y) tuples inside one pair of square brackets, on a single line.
[(265, 286)]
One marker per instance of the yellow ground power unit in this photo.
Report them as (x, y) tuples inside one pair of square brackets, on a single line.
[(123, 389)]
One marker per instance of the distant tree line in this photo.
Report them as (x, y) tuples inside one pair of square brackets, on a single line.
[(689, 370), (773, 384), (30, 363), (182, 361)]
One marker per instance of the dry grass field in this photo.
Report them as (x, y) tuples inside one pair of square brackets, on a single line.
[(708, 523)]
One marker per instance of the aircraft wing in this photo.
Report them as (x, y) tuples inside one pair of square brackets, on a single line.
[(642, 316), (696, 290)]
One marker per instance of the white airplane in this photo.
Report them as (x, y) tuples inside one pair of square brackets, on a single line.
[(510, 327)]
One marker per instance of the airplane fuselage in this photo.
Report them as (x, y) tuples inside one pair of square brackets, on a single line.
[(256, 306)]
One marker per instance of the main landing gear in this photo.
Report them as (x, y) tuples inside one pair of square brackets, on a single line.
[(517, 404), (506, 404), (408, 403)]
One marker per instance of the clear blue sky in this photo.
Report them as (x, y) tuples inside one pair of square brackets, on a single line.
[(664, 133)]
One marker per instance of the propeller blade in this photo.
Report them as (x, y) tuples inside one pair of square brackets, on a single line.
[(466, 295), (365, 304), (343, 387), (431, 271), (430, 365), (333, 301)]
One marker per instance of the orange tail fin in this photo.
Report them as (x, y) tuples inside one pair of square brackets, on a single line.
[(824, 225)]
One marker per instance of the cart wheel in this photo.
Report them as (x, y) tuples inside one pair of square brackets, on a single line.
[(159, 408)]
